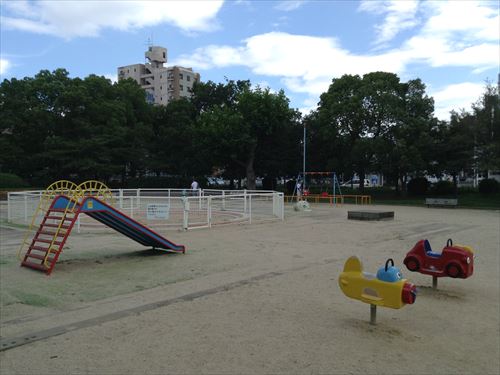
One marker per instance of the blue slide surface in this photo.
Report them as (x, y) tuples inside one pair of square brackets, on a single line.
[(120, 222)]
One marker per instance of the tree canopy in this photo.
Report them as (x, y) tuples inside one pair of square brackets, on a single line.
[(54, 126)]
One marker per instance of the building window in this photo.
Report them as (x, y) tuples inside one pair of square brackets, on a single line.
[(188, 78), (161, 88), (128, 70), (135, 70), (160, 76), (181, 87), (164, 55), (181, 76)]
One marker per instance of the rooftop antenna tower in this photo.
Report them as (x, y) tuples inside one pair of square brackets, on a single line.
[(149, 44)]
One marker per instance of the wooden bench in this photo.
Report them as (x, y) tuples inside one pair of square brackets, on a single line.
[(441, 202)]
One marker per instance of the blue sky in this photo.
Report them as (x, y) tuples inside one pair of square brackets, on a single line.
[(298, 46)]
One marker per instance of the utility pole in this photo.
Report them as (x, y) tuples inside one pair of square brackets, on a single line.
[(304, 163)]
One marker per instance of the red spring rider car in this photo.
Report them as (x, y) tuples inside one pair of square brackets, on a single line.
[(455, 261)]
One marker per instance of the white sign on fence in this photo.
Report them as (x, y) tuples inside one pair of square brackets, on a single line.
[(158, 211)]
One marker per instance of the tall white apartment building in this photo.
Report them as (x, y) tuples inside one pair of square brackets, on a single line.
[(162, 84)]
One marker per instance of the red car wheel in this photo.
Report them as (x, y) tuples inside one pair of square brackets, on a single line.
[(412, 264), (453, 270)]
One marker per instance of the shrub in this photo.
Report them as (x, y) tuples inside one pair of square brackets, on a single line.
[(488, 186), (174, 182), (418, 186), (443, 188), (9, 180)]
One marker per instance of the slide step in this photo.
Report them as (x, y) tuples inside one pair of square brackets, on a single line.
[(48, 241), (39, 248), (59, 217), (62, 211), (51, 233), (37, 256), (35, 266), (56, 226)]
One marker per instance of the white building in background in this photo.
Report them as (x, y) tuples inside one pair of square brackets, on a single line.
[(162, 84)]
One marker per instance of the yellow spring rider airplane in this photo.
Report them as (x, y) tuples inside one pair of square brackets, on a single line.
[(387, 288)]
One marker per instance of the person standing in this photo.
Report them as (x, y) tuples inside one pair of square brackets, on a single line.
[(195, 185), (299, 190)]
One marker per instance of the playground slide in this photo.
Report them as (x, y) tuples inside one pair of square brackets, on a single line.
[(120, 222)]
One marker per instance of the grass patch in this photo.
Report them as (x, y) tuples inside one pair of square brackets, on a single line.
[(32, 299), (465, 200), (13, 225)]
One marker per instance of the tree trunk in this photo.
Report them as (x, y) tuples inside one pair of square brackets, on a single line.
[(250, 170), (404, 185), (362, 181), (455, 185), (397, 184)]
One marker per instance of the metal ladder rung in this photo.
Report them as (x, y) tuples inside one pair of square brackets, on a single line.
[(52, 233), (56, 226), (36, 266), (48, 241), (40, 257)]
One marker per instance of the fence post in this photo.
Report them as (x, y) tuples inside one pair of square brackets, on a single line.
[(121, 198), (275, 204), (282, 200), (245, 201), (209, 211), (223, 200), (249, 207), (199, 199), (9, 213), (25, 208), (138, 194), (185, 221)]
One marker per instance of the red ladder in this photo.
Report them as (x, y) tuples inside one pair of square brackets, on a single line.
[(49, 239)]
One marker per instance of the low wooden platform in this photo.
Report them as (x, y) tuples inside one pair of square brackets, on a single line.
[(370, 215)]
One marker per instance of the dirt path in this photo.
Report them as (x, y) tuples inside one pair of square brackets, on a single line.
[(254, 299)]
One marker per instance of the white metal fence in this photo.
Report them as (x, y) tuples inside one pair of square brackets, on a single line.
[(169, 208)]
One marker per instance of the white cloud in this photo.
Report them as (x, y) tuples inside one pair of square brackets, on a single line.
[(4, 66), (455, 97), (276, 54), (69, 19), (472, 20), (307, 64), (399, 15), (310, 104), (113, 77), (464, 33), (290, 5), (321, 59)]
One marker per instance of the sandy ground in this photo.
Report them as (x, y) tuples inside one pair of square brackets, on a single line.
[(254, 299)]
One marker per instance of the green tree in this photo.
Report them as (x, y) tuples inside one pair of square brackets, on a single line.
[(56, 127), (245, 134), (358, 117), (408, 146), (30, 113), (486, 113), (172, 147)]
